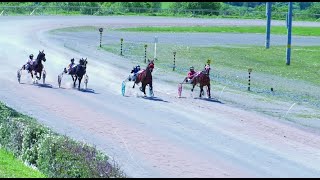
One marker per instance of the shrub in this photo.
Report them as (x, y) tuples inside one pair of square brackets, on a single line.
[(53, 154)]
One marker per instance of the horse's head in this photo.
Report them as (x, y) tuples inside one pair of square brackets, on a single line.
[(41, 57), (207, 69), (83, 62), (150, 66)]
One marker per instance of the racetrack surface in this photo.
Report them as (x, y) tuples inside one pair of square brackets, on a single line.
[(163, 136)]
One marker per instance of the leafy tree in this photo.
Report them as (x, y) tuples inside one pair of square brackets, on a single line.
[(314, 10)]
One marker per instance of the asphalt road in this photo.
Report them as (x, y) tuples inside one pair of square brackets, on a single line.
[(163, 136)]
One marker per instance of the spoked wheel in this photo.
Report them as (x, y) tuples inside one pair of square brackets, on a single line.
[(86, 79), (151, 92), (123, 88), (59, 80), (179, 90), (19, 75), (44, 74)]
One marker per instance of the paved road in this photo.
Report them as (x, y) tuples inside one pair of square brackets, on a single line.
[(163, 136)]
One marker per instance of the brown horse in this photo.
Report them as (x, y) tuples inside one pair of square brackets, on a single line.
[(203, 79), (145, 77)]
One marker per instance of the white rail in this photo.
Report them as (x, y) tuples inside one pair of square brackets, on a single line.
[(32, 12)]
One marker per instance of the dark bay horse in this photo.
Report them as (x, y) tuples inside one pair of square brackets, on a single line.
[(203, 79), (78, 71), (145, 77), (37, 66)]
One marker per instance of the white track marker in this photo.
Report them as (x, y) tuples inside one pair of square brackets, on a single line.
[(1, 13), (289, 109), (32, 12), (222, 91)]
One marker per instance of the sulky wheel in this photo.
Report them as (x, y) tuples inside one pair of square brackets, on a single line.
[(123, 88), (179, 90), (44, 74), (86, 79), (151, 92), (59, 80), (19, 75)]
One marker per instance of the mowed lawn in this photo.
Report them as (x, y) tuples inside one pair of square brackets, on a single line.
[(305, 64), (281, 30), (10, 167)]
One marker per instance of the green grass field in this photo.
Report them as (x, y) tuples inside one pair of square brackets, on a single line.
[(165, 5), (305, 64), (301, 31), (10, 167)]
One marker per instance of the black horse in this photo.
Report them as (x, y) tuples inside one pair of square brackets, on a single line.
[(37, 66), (78, 71)]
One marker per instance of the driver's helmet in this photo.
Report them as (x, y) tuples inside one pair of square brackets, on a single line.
[(191, 68), (31, 56), (72, 60), (138, 67)]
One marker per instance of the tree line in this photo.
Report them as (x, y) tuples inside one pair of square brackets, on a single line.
[(147, 7)]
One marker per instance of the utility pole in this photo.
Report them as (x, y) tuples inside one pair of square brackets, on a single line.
[(289, 27), (268, 14), (155, 47)]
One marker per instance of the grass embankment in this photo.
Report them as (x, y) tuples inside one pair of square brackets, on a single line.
[(304, 66), (281, 30), (230, 63), (56, 156), (11, 167)]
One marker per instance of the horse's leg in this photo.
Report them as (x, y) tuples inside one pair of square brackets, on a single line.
[(209, 94), (144, 88), (150, 85), (201, 90), (72, 78), (134, 83), (194, 84), (80, 78), (40, 74), (32, 76), (74, 82)]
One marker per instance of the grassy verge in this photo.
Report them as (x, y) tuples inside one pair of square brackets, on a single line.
[(301, 31), (56, 156), (230, 67), (10, 167), (304, 66)]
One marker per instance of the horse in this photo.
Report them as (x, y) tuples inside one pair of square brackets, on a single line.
[(37, 66), (145, 77), (78, 71), (203, 79)]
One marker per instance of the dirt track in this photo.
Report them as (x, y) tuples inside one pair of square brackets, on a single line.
[(160, 137)]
